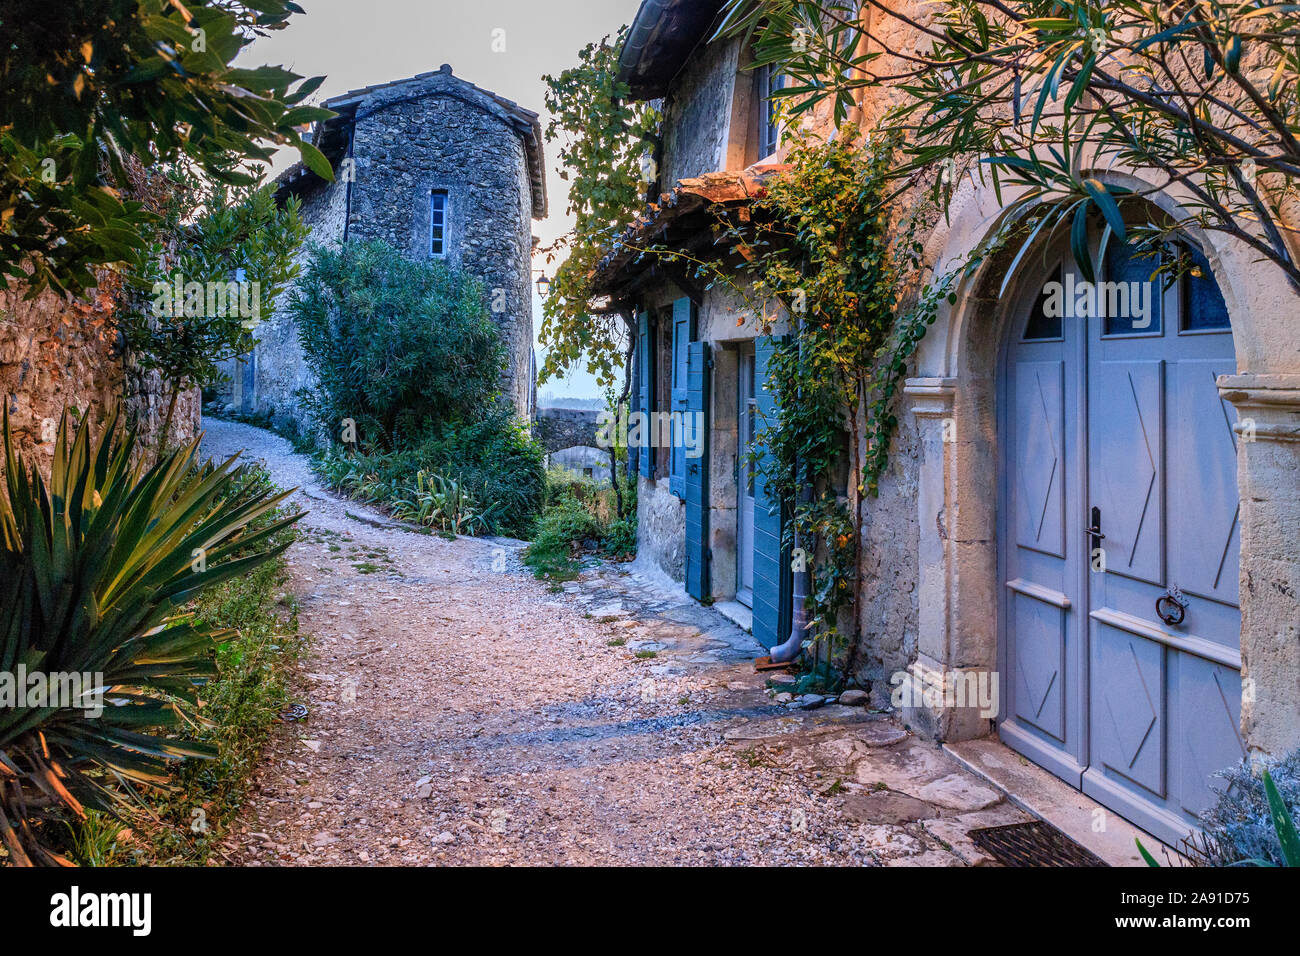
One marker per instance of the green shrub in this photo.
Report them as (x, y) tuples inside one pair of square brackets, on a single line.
[(405, 349), (500, 463), (1241, 825), (97, 566), (441, 503), (620, 539), (567, 527), (581, 516), (487, 478)]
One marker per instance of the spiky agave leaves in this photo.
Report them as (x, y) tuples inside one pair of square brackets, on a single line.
[(96, 566)]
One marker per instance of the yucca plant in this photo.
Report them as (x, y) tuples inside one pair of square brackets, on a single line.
[(97, 565)]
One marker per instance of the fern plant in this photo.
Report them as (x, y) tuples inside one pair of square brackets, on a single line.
[(97, 565)]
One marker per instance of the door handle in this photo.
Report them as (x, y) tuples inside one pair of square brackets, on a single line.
[(1094, 533), (1171, 607)]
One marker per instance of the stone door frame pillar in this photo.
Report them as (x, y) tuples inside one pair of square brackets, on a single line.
[(1268, 480)]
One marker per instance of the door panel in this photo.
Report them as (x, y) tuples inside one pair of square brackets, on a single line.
[(1040, 466), (1127, 707), (1204, 553), (772, 576), (1207, 706), (1126, 468), (747, 419), (1162, 468), (1040, 562), (684, 322), (698, 584), (1040, 664)]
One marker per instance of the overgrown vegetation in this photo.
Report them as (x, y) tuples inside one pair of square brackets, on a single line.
[(845, 265), (1038, 94), (408, 365), (98, 571), (605, 136), (581, 518), (239, 706)]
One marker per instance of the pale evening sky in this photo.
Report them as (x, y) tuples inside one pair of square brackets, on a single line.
[(356, 43)]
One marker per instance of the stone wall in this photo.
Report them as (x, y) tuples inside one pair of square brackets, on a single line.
[(661, 528), (560, 428), (60, 354), (696, 124), (280, 373)]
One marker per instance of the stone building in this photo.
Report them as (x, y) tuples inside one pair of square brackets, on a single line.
[(440, 169), (976, 549)]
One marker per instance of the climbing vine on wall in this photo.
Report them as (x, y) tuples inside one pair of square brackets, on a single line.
[(603, 135), (826, 242)]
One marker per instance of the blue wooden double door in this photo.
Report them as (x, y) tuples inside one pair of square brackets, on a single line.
[(1120, 626)]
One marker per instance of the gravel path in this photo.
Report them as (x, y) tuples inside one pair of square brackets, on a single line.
[(462, 712)]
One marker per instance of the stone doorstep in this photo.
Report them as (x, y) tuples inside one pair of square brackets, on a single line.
[(737, 613), (1052, 800)]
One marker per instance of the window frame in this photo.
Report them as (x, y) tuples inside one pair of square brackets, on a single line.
[(443, 226), (769, 128)]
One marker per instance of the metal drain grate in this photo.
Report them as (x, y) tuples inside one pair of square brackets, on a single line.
[(1032, 844)]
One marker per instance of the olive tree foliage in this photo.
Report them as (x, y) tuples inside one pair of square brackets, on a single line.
[(1201, 95), (87, 85), (604, 136)]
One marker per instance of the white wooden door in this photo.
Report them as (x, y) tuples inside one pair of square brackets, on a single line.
[(1120, 542)]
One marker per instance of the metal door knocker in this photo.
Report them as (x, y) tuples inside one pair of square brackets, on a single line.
[(1172, 606)]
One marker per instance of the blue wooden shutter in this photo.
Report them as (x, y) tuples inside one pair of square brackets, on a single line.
[(697, 471), (772, 577), (645, 363), (683, 333)]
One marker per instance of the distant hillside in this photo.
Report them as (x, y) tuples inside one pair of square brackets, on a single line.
[(552, 401)]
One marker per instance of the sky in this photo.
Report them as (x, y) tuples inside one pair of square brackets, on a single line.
[(355, 43)]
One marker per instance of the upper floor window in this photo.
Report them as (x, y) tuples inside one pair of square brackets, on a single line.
[(769, 129), (438, 222)]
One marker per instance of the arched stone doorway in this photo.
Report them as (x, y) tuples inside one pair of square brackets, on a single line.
[(957, 397)]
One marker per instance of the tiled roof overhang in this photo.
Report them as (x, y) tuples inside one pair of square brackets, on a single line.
[(688, 212), (331, 137), (660, 41)]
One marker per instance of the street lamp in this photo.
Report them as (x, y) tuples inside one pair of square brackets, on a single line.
[(543, 286)]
